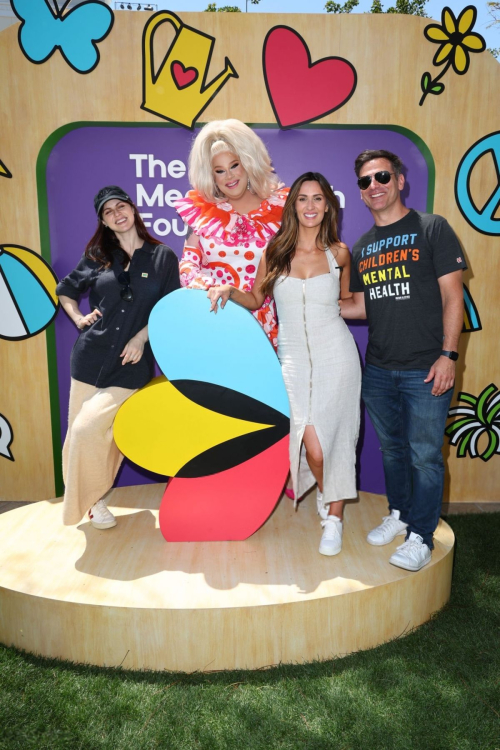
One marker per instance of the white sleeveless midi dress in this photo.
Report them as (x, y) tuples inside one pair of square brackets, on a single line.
[(322, 374)]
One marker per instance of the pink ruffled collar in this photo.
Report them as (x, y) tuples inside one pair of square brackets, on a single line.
[(221, 222)]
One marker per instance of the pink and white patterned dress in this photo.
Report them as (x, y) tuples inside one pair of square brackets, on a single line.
[(230, 246)]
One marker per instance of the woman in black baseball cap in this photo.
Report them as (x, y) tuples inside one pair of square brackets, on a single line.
[(126, 271)]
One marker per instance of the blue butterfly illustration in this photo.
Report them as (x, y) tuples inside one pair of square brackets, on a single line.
[(75, 33)]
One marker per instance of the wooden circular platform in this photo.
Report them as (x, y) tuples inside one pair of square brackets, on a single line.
[(126, 597)]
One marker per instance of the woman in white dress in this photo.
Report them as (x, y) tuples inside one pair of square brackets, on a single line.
[(306, 269)]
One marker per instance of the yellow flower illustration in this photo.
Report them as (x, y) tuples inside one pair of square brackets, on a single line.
[(456, 40)]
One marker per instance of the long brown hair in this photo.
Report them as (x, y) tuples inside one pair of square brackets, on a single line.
[(104, 244), (281, 249)]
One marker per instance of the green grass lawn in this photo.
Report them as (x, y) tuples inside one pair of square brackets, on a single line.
[(438, 687)]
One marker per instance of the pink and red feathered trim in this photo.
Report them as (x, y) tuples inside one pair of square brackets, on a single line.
[(221, 222)]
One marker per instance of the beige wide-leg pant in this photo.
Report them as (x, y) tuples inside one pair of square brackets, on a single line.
[(91, 458)]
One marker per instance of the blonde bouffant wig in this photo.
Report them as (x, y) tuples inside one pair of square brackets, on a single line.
[(237, 138)]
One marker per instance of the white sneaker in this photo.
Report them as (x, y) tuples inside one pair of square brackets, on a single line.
[(412, 555), (331, 541), (389, 529), (101, 517)]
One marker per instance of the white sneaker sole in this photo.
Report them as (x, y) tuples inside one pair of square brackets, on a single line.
[(328, 552), (382, 544), (412, 569), (103, 526)]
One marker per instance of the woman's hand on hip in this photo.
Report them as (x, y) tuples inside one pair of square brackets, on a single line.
[(222, 293), (133, 351), (87, 320)]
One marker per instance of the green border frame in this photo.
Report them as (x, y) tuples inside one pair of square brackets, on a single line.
[(41, 169)]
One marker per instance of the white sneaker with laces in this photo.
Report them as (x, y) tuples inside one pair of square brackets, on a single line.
[(389, 529), (101, 517), (331, 541), (412, 555)]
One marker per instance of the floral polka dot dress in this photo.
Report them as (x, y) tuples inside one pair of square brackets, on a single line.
[(230, 246)]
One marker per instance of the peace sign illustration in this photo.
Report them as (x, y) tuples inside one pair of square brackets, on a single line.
[(218, 426), (483, 219)]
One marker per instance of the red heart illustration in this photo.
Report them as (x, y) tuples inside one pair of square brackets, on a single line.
[(301, 91), (183, 76)]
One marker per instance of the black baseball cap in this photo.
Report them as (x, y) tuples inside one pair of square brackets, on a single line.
[(109, 193)]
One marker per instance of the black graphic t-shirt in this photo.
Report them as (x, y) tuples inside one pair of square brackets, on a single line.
[(397, 267)]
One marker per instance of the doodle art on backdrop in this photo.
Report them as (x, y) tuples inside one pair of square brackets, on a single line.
[(456, 41), (472, 321), (484, 218), (6, 438), (479, 418), (219, 425), (28, 301), (178, 91), (325, 85), (75, 33), (4, 172)]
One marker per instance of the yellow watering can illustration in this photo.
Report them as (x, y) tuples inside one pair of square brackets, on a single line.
[(178, 91)]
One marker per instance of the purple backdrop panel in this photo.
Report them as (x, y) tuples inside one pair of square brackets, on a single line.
[(150, 163)]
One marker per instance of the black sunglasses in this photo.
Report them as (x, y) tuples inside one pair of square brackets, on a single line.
[(382, 177), (125, 293)]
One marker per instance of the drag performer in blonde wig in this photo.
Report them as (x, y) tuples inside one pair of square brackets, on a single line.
[(233, 210)]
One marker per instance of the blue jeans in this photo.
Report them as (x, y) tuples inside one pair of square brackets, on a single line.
[(410, 423)]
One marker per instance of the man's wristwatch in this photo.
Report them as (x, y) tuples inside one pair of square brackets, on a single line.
[(451, 355)]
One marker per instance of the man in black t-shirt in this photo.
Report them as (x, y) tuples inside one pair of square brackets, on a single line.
[(406, 278)]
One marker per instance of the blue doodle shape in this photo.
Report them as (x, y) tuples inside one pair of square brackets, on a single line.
[(75, 33), (193, 346), (472, 321), (480, 219)]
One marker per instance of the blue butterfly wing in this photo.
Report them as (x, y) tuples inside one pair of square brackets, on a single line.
[(86, 24), (39, 32)]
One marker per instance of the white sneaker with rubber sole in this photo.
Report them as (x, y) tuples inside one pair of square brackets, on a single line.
[(389, 529), (412, 554), (331, 541), (101, 517)]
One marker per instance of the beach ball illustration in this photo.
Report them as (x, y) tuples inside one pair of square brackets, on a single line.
[(218, 426), (28, 301)]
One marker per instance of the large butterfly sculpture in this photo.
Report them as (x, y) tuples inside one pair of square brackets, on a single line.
[(74, 33), (218, 426)]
